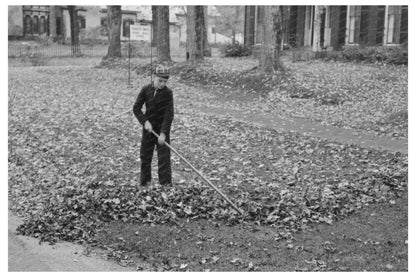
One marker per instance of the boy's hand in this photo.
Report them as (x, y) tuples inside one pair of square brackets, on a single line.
[(162, 138), (148, 126)]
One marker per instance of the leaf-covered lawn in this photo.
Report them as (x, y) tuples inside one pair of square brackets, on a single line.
[(74, 163), (373, 98)]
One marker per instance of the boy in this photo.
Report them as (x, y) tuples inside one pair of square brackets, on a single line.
[(158, 99)]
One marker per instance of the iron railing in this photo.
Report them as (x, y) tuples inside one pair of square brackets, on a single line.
[(23, 49)]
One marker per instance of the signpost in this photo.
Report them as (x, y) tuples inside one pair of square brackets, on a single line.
[(141, 32)]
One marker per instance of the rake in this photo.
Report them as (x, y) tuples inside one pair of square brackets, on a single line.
[(202, 176)]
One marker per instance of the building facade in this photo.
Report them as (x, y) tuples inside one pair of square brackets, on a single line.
[(333, 27), (54, 21)]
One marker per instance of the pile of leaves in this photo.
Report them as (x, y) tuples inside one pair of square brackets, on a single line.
[(75, 213)]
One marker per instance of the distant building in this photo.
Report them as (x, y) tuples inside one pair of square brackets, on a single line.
[(333, 27), (33, 21)]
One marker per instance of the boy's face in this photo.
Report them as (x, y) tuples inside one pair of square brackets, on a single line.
[(160, 82)]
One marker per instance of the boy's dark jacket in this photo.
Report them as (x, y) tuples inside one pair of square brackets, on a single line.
[(159, 108)]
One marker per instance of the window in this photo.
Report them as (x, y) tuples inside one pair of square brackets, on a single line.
[(81, 20), (103, 30), (126, 27), (354, 26), (36, 24), (42, 25), (397, 24), (342, 25), (28, 25), (364, 24), (381, 11), (403, 25), (58, 26), (359, 24)]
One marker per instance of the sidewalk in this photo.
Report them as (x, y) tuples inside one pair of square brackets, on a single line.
[(306, 127), (26, 254)]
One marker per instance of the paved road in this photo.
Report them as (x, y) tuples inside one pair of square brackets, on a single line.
[(26, 254)]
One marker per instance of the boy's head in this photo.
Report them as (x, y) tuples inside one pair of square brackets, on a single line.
[(161, 76)]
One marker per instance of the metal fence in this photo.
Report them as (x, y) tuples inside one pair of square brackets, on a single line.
[(17, 49), (23, 49)]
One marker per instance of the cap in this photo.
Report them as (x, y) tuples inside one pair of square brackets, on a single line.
[(162, 71)]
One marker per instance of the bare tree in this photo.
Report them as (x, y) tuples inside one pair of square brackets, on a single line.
[(272, 36), (195, 32), (190, 33), (154, 25), (232, 20), (163, 38), (114, 31), (207, 49), (73, 16), (199, 28)]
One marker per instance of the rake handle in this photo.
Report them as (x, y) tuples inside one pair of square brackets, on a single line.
[(202, 176)]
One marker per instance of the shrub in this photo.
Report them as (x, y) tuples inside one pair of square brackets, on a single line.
[(35, 59), (92, 36), (376, 54), (60, 39), (236, 50), (44, 40), (302, 53)]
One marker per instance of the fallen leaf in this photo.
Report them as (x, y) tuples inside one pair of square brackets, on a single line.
[(215, 259)]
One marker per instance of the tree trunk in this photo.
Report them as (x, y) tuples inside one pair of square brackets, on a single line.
[(190, 33), (52, 22), (195, 32), (114, 31), (207, 49), (163, 38), (154, 25), (272, 34), (199, 32), (73, 17)]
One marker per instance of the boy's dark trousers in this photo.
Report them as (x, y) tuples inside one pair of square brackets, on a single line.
[(149, 141)]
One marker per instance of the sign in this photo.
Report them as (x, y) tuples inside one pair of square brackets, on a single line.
[(140, 32)]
